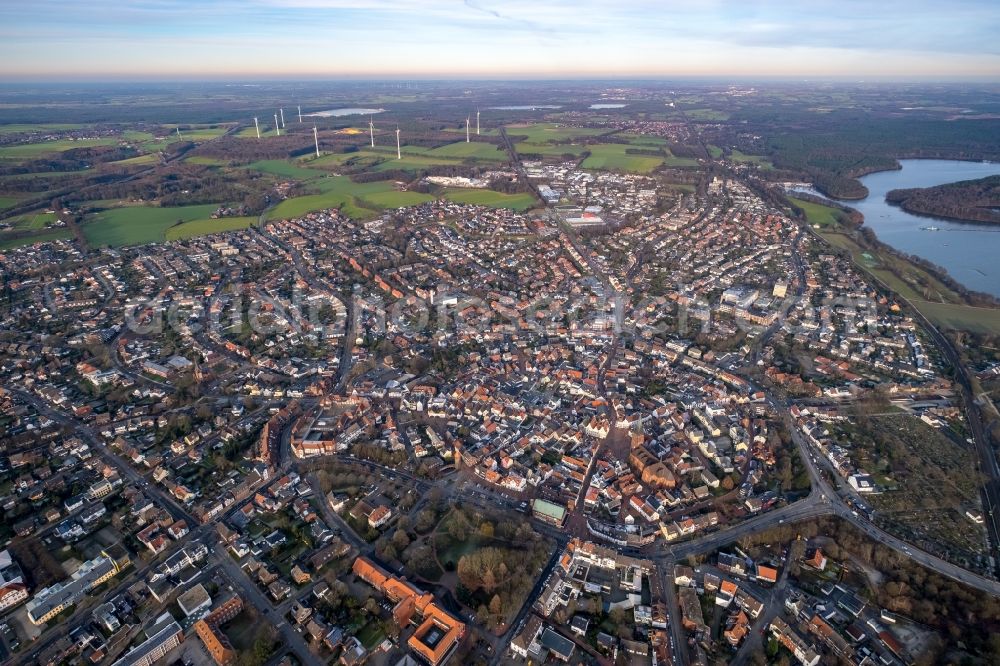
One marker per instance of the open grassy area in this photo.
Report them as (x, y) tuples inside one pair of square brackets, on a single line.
[(208, 226), (205, 161), (521, 201), (7, 243), (138, 225), (34, 220), (744, 158), (33, 150), (7, 202), (612, 157), (474, 149), (643, 140), (714, 151), (139, 160), (285, 169), (547, 132), (962, 317), (824, 216), (354, 199), (550, 150)]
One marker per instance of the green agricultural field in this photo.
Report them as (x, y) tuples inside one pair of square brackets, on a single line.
[(548, 132), (140, 160), (474, 150), (550, 150), (33, 150), (394, 199), (643, 140), (8, 243), (339, 192), (7, 202), (519, 202), (205, 161), (612, 157), (674, 161), (209, 226), (409, 162), (139, 225), (824, 216), (285, 169)]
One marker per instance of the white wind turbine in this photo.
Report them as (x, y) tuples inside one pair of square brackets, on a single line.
[(257, 126), (282, 112), (316, 139), (399, 153), (467, 120), (300, 114), (477, 121), (277, 127), (371, 130)]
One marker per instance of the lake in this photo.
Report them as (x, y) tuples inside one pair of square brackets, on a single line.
[(608, 106), (969, 252), (336, 113)]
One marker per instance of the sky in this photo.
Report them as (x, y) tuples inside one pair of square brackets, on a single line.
[(237, 39)]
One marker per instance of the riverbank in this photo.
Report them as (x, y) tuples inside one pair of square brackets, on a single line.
[(925, 287)]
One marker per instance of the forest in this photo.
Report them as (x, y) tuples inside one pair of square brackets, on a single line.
[(968, 200)]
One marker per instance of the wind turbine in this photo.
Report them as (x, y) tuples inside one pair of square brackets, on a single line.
[(316, 139), (282, 112), (371, 130), (300, 114), (178, 128), (477, 121), (467, 119), (277, 127), (399, 153), (257, 125)]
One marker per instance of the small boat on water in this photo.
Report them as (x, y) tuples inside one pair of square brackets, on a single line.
[(931, 228)]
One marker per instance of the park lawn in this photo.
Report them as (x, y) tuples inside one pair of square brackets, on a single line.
[(547, 132), (208, 226), (33, 150), (612, 157), (759, 160), (519, 202), (30, 127), (824, 216), (139, 225), (7, 243), (473, 149), (549, 150), (285, 169)]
